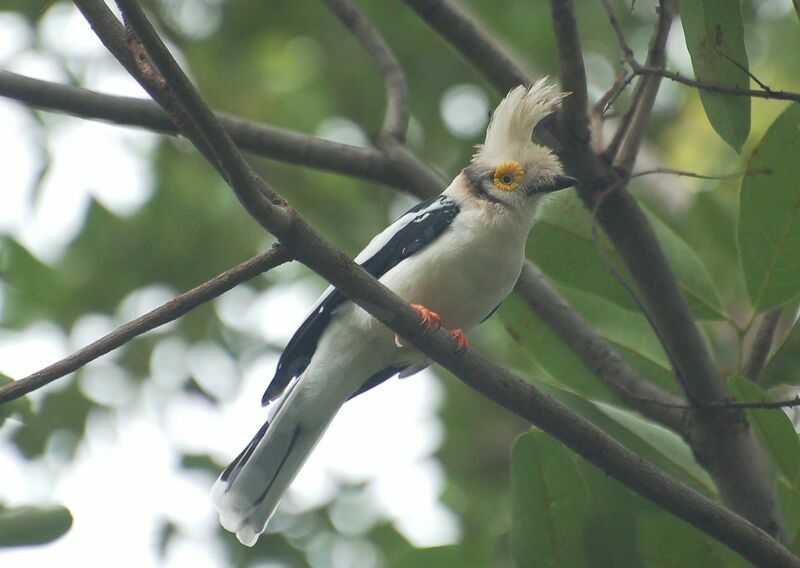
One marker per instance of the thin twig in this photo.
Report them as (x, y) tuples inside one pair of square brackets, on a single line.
[(650, 68), (725, 89), (633, 134), (685, 173), (745, 70), (164, 314), (627, 52), (762, 344), (627, 57), (619, 85), (395, 122), (727, 405)]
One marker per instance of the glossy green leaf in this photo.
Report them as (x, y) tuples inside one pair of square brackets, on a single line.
[(625, 328), (789, 499), (665, 441), (769, 218), (548, 503), (784, 365), (565, 247), (656, 444), (715, 39), (772, 426), (627, 331), (25, 526), (668, 542), (610, 527), (546, 349)]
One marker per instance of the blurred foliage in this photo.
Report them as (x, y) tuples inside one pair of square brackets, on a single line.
[(26, 526), (292, 65)]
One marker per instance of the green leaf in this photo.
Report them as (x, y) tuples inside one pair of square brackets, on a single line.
[(548, 503), (25, 526), (627, 331), (663, 448), (546, 349), (715, 39), (623, 327), (667, 542), (772, 426), (769, 218), (784, 365), (565, 248), (693, 277), (665, 441), (789, 498), (609, 532)]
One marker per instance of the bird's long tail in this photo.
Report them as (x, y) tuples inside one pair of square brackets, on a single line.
[(249, 490)]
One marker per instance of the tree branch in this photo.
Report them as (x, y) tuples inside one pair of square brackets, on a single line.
[(401, 169), (258, 139), (394, 166), (597, 355), (632, 128), (723, 442), (574, 116), (761, 345), (395, 122), (466, 35), (166, 313), (488, 378)]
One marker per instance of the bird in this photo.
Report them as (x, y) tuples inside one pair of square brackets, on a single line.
[(453, 258)]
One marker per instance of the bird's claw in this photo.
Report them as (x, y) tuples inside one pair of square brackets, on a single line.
[(461, 341), (429, 319)]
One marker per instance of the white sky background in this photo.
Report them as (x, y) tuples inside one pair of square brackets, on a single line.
[(126, 477)]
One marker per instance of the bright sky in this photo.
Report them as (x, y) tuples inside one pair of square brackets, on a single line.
[(126, 477)]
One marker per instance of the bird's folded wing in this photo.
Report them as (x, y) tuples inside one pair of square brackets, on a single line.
[(416, 229)]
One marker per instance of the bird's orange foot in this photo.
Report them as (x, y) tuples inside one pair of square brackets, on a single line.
[(461, 340), (429, 318)]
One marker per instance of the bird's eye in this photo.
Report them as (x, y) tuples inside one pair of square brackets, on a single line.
[(508, 175)]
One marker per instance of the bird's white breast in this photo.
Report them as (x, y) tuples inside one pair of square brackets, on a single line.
[(468, 270)]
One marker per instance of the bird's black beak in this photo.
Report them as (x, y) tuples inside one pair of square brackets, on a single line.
[(556, 184)]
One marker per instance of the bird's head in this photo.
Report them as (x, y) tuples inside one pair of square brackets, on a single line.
[(509, 168)]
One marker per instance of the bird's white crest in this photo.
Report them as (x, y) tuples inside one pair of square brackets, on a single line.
[(508, 136)]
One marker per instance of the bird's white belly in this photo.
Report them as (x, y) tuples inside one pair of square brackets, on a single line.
[(461, 281)]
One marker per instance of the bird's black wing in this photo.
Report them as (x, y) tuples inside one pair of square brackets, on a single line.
[(417, 228)]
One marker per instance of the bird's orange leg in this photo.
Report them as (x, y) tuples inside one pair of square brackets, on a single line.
[(429, 318)]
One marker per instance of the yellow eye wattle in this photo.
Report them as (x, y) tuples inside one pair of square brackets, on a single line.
[(508, 175)]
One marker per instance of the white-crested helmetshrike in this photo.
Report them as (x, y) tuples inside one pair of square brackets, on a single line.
[(454, 257)]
